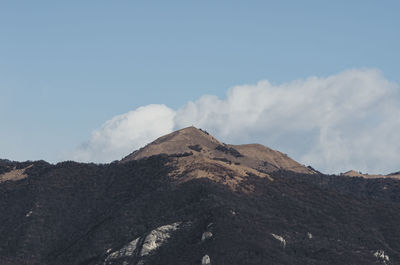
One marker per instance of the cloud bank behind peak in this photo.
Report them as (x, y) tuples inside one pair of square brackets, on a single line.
[(345, 121)]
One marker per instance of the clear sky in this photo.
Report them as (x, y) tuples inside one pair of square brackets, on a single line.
[(66, 67)]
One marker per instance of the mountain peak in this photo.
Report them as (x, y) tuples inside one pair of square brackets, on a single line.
[(353, 173), (178, 142), (200, 144)]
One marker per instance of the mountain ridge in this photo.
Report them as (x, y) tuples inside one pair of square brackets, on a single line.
[(200, 143), (353, 173), (209, 205)]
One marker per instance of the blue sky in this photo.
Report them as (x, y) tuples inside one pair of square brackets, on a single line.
[(67, 67)]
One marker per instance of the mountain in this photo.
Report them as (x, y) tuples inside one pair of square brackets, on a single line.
[(187, 198), (202, 145), (353, 173)]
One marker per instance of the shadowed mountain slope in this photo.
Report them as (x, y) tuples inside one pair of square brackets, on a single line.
[(179, 205)]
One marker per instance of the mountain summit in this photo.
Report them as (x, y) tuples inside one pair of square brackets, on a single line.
[(187, 198), (200, 143), (196, 154)]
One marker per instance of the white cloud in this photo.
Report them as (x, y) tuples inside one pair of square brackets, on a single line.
[(124, 133), (344, 121)]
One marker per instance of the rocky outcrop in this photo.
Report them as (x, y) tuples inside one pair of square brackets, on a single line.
[(280, 239), (205, 260), (142, 246)]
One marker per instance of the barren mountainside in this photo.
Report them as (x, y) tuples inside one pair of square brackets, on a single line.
[(353, 173), (187, 198), (201, 144)]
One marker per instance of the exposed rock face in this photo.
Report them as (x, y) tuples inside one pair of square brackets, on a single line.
[(280, 239), (157, 237), (382, 257), (205, 260), (142, 246), (216, 205), (126, 252), (206, 235)]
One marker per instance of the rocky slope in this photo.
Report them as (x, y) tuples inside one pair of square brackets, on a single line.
[(189, 199)]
